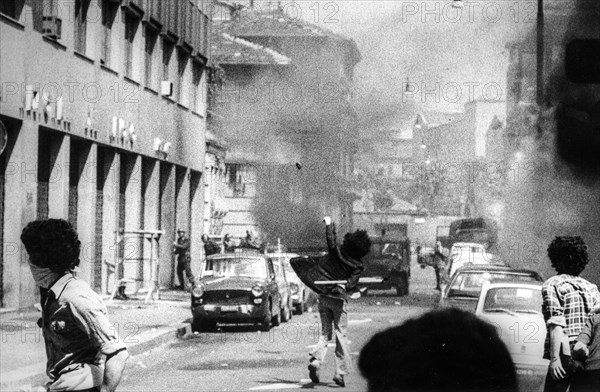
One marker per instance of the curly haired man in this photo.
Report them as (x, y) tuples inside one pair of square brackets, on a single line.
[(568, 301), (84, 352)]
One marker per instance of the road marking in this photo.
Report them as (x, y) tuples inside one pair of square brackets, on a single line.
[(367, 320), (330, 344)]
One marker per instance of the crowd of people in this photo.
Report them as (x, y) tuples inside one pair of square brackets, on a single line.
[(442, 350)]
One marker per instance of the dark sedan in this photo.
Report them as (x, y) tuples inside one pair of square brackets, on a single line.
[(238, 288)]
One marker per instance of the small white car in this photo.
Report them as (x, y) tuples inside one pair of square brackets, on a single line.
[(515, 309)]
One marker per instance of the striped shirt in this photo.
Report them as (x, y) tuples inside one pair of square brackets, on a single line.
[(568, 302)]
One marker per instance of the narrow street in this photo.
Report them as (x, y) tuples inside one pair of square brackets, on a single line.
[(240, 358)]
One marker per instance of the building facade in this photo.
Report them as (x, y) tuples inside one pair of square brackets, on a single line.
[(290, 129), (104, 103)]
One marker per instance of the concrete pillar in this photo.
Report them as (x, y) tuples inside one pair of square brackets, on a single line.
[(133, 199), (109, 218), (86, 210), (58, 185), (20, 207), (167, 224), (151, 182), (196, 219)]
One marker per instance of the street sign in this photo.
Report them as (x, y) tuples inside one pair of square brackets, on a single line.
[(3, 137)]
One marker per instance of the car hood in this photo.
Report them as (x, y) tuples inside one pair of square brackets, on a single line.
[(524, 335), (231, 283), (463, 303)]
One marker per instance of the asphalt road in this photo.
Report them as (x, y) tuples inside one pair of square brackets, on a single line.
[(244, 359)]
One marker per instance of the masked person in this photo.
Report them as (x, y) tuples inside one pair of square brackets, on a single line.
[(333, 304), (181, 248), (83, 349), (568, 301)]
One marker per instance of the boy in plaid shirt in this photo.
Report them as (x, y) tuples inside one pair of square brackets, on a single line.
[(568, 302)]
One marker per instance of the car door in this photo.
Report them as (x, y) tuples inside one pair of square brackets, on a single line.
[(273, 283), (282, 284)]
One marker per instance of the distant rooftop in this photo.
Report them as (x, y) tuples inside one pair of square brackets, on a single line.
[(227, 49)]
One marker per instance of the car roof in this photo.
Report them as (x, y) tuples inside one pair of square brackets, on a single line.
[(467, 244), (494, 267), (507, 283), (237, 256), (286, 255)]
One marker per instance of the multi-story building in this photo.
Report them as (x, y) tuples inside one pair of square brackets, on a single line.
[(285, 114), (105, 111), (451, 157)]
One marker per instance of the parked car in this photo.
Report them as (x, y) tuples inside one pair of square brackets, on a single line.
[(240, 287), (387, 265), (516, 311), (300, 294), (465, 285), (284, 287)]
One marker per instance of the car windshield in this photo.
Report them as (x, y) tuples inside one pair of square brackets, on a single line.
[(513, 299), (468, 283), (250, 267), (389, 249)]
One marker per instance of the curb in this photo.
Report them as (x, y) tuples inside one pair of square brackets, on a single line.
[(26, 383)]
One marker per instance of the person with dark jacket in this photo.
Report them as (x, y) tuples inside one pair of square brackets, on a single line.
[(210, 246), (333, 304), (587, 349), (181, 248), (440, 266)]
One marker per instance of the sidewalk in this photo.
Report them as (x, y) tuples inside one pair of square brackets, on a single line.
[(141, 326)]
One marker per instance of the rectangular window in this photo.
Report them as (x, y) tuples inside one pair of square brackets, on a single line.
[(12, 8), (197, 92), (81, 9), (182, 61), (151, 39), (168, 47), (109, 13), (130, 24)]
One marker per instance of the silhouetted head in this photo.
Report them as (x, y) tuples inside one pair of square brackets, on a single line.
[(568, 255), (52, 244), (357, 244), (445, 350)]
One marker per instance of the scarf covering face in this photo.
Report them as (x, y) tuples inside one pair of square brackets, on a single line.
[(44, 277)]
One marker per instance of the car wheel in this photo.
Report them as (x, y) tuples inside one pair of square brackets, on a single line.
[(266, 324), (402, 287), (300, 307), (276, 320), (286, 314)]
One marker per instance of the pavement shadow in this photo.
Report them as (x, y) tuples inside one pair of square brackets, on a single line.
[(283, 383)]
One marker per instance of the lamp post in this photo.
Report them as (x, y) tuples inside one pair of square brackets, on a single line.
[(540, 55)]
